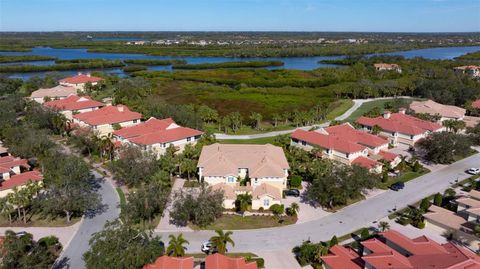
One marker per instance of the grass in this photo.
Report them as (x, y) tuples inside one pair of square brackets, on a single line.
[(367, 106), (36, 220), (341, 107), (404, 177), (235, 222), (349, 202), (121, 195), (262, 140)]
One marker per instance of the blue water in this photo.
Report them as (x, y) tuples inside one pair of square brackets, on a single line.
[(301, 63)]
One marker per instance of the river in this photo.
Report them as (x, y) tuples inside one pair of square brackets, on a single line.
[(301, 63)]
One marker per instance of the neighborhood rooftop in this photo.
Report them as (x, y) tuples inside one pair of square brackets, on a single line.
[(73, 103), (80, 78), (433, 108), (57, 91), (108, 115)]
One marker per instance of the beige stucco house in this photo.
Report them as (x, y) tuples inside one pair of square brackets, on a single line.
[(79, 81), (446, 112), (55, 93)]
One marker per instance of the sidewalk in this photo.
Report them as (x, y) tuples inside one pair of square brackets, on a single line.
[(164, 225)]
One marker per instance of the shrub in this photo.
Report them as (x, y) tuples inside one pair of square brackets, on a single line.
[(438, 199), (420, 225), (404, 221), (296, 181), (277, 209)]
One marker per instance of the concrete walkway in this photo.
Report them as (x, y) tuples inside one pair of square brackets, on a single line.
[(356, 104), (164, 225)]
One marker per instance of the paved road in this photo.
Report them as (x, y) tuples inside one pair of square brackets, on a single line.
[(356, 104), (345, 221), (72, 255)]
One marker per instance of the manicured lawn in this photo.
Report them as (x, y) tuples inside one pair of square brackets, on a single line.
[(263, 140), (37, 221), (234, 222), (404, 177), (121, 195), (341, 107), (366, 107)]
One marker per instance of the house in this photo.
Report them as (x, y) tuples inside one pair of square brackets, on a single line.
[(73, 105), (347, 145), (15, 172), (400, 128), (393, 250), (79, 81), (105, 120), (166, 262), (433, 108), (57, 92), (157, 135), (219, 261), (471, 70), (387, 67), (476, 104), (265, 166)]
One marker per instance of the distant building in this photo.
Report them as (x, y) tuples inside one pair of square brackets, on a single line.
[(393, 250), (79, 81), (401, 128), (103, 121), (387, 67), (471, 70), (157, 135), (167, 262), (55, 93), (476, 104), (345, 144), (15, 172), (73, 105), (265, 165), (446, 112)]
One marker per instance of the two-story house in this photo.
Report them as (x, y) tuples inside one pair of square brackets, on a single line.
[(79, 81), (73, 105)]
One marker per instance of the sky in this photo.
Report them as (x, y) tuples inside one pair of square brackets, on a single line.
[(241, 15)]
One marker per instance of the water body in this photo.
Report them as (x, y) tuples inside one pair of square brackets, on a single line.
[(301, 63)]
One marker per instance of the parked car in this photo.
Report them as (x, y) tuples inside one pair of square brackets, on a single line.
[(397, 186), (473, 171), (208, 248), (20, 234), (292, 192)]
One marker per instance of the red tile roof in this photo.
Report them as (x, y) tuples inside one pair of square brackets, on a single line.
[(81, 78), (476, 104), (365, 162), (108, 115), (399, 122), (418, 246), (166, 262), (20, 179), (73, 102), (347, 132), (326, 141), (343, 258), (156, 131), (9, 162), (387, 156), (219, 261)]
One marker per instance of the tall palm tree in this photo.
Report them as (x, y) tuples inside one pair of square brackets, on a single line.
[(176, 246), (244, 200), (295, 207), (221, 240), (383, 226)]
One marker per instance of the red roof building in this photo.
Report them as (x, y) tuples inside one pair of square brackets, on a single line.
[(401, 128), (166, 262), (387, 67), (74, 104), (476, 104), (343, 143), (20, 180), (158, 135), (10, 165), (219, 261), (103, 119), (393, 250), (79, 81)]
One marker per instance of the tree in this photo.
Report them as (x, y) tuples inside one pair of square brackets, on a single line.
[(454, 125), (376, 129), (383, 226), (221, 240), (277, 209), (364, 234), (176, 246), (146, 202), (122, 246), (6, 208), (443, 147), (295, 208), (134, 166), (424, 204), (438, 199), (257, 118), (243, 202), (295, 181), (333, 241)]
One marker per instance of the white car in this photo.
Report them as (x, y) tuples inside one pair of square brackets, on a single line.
[(207, 247), (474, 171)]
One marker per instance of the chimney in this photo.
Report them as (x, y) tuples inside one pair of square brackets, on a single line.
[(402, 110), (89, 75), (120, 108), (387, 114)]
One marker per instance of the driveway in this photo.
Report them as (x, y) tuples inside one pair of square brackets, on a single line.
[(72, 256), (349, 219), (64, 234)]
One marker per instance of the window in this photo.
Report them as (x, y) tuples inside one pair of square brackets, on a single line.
[(304, 143), (231, 179), (411, 137), (266, 203), (134, 121), (189, 139)]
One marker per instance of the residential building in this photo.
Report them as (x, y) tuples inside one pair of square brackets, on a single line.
[(446, 112), (219, 261), (265, 166), (79, 81), (400, 128), (55, 93), (15, 172), (393, 250), (476, 104), (73, 105), (167, 262), (471, 70), (105, 120), (157, 135), (387, 67), (347, 145)]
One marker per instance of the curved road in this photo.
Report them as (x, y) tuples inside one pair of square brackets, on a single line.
[(72, 256), (356, 104), (349, 219)]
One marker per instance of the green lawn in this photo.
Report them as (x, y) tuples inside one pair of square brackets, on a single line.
[(263, 140), (366, 107), (36, 220), (121, 195), (404, 177), (342, 107), (234, 222)]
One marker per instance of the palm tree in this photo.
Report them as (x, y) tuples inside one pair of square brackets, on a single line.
[(295, 208), (221, 240), (176, 246), (383, 226), (243, 201), (257, 118)]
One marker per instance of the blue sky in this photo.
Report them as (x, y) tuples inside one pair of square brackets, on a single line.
[(241, 15)]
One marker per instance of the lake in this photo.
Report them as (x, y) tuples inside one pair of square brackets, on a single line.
[(301, 63)]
